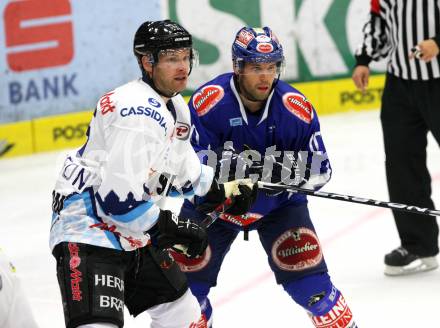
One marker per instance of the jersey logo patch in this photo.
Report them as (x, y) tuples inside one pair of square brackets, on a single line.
[(192, 265), (106, 103), (207, 98), (297, 250), (241, 220), (153, 102), (181, 130), (236, 121), (299, 106)]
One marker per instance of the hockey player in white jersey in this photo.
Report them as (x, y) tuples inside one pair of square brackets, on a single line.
[(109, 202), (15, 311)]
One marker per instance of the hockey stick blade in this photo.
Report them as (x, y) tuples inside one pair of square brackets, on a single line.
[(350, 199)]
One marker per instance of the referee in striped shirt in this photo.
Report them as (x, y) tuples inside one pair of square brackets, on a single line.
[(407, 33)]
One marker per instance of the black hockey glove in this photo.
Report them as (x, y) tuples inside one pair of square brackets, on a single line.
[(241, 193), (291, 169), (241, 204), (177, 231)]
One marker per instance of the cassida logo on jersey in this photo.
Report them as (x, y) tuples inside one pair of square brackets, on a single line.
[(207, 98), (192, 265), (299, 106), (264, 48), (181, 131), (297, 250), (147, 111)]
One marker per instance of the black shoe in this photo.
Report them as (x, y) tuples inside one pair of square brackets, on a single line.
[(400, 262)]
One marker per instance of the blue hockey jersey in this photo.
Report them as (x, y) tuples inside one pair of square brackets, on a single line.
[(288, 121)]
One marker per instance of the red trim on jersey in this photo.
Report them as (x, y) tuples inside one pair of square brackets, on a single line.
[(375, 6)]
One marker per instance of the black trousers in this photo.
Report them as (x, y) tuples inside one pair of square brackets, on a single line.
[(409, 110), (96, 282)]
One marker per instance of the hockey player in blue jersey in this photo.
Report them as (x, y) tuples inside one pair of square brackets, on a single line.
[(255, 110)]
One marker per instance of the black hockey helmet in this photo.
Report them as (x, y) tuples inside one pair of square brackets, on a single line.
[(153, 36)]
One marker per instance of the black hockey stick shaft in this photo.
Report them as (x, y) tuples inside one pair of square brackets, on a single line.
[(210, 218), (351, 199)]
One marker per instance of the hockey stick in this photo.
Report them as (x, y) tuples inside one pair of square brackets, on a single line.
[(350, 199), (209, 219)]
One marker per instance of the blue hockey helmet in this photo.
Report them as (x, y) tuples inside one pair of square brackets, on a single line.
[(256, 45)]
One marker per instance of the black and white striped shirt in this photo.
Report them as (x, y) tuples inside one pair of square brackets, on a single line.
[(394, 27)]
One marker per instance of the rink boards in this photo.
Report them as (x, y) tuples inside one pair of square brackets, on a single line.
[(69, 130)]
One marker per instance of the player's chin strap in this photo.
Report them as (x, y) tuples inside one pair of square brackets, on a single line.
[(349, 198)]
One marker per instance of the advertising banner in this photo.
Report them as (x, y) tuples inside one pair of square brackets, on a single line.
[(16, 139), (58, 57), (319, 37), (61, 56)]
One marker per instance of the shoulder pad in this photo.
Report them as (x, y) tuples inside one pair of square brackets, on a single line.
[(206, 98), (299, 106)]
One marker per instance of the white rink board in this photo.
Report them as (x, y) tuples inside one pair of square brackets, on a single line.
[(355, 239)]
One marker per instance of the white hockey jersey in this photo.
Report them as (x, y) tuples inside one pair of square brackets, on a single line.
[(111, 190), (15, 310)]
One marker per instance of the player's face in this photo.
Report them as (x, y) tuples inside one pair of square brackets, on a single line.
[(170, 74), (256, 80)]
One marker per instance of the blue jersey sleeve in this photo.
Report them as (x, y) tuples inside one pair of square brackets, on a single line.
[(314, 152)]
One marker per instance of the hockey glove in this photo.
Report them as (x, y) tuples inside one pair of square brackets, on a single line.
[(242, 194), (177, 231)]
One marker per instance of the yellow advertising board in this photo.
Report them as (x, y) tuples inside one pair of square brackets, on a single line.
[(342, 96), (69, 130), (336, 96), (59, 132), (312, 91), (16, 139)]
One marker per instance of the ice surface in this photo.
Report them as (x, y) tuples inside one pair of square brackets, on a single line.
[(354, 237)]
